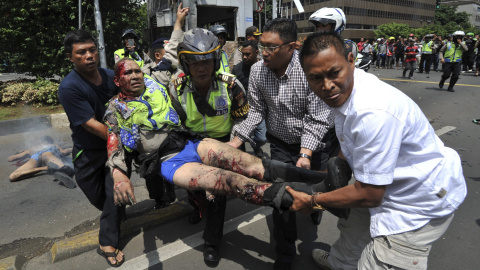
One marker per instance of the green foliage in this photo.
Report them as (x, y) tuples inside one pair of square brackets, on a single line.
[(32, 32), (13, 93), (447, 21), (448, 14), (392, 30), (40, 92)]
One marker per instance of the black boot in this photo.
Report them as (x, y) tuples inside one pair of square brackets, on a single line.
[(277, 197), (339, 173), (441, 83), (67, 170), (65, 175), (52, 167), (452, 83), (276, 169)]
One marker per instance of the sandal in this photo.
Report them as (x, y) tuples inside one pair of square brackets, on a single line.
[(113, 254)]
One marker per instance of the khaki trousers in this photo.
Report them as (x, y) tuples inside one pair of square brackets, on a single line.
[(355, 249)]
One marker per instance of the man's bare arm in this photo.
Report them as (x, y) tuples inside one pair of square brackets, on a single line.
[(96, 128)]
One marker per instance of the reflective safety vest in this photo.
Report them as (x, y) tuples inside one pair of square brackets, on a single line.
[(213, 126), (120, 53), (153, 110), (224, 67), (453, 53), (427, 48)]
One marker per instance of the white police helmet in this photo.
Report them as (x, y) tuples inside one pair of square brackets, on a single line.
[(327, 15)]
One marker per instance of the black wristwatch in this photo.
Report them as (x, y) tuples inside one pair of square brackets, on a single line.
[(305, 156)]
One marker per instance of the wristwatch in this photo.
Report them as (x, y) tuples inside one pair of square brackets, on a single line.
[(305, 156)]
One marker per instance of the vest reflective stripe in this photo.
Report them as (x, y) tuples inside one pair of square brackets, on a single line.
[(213, 126), (453, 53), (224, 67), (153, 110), (120, 53), (426, 48)]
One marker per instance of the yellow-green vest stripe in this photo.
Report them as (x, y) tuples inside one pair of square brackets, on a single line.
[(120, 53), (224, 67), (212, 126), (453, 53), (426, 48)]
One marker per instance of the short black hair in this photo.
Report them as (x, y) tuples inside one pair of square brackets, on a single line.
[(77, 36), (320, 41), (250, 43), (284, 27)]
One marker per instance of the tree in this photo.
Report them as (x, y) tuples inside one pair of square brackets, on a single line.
[(32, 32), (392, 30), (447, 14), (447, 21)]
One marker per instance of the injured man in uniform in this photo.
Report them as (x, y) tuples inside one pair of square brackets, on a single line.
[(144, 127)]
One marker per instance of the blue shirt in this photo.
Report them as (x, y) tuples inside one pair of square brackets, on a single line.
[(83, 100)]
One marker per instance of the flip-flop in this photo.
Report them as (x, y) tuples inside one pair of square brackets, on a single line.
[(476, 121), (113, 254)]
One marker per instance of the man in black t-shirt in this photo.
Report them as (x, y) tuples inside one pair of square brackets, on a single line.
[(83, 94), (242, 72)]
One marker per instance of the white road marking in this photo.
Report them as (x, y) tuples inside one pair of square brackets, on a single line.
[(444, 130), (182, 245)]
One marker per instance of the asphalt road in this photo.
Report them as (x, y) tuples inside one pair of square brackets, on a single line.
[(40, 207)]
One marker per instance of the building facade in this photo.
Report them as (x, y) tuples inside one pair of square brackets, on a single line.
[(470, 7), (364, 16)]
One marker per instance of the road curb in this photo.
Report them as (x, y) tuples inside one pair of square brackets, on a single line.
[(79, 244), (13, 263), (35, 123)]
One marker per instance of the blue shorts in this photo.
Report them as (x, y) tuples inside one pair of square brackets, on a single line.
[(53, 149), (188, 154)]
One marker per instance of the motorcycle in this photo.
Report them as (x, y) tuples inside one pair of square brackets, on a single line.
[(363, 62)]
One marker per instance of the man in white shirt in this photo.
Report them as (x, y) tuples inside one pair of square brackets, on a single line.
[(408, 180)]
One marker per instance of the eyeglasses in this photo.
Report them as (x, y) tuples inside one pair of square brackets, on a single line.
[(270, 49)]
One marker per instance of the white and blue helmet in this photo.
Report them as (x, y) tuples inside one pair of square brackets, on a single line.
[(327, 15)]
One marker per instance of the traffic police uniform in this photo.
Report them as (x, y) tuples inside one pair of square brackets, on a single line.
[(451, 52), (426, 57), (124, 52), (215, 117)]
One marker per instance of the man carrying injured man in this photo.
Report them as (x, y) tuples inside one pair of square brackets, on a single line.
[(142, 120)]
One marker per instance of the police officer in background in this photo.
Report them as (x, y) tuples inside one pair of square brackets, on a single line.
[(333, 19), (451, 56), (165, 64), (427, 52), (251, 33), (209, 103), (131, 49), (468, 57), (221, 33)]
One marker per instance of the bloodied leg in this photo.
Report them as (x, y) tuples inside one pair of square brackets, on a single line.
[(223, 170), (196, 176)]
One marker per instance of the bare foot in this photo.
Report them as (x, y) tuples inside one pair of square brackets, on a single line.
[(112, 249)]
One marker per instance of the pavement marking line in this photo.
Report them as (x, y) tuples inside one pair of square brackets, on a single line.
[(182, 245), (408, 80), (444, 130)]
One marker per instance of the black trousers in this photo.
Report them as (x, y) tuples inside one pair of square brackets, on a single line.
[(453, 69), (425, 59), (95, 181), (285, 224)]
